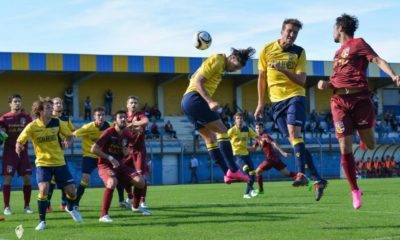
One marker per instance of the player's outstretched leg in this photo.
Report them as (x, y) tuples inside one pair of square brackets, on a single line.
[(42, 207), (110, 184), (348, 162), (226, 151), (121, 202), (216, 153), (81, 190), (138, 191), (7, 194), (143, 197), (263, 166), (216, 156), (105, 206), (64, 200), (299, 154), (50, 195), (319, 183), (72, 208), (260, 182), (248, 168), (27, 190)]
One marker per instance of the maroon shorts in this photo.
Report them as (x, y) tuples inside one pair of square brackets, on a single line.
[(137, 156), (123, 173), (267, 164), (353, 111), (12, 163)]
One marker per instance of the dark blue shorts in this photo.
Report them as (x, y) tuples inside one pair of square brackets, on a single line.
[(61, 175), (197, 111), (290, 111), (242, 160), (89, 164)]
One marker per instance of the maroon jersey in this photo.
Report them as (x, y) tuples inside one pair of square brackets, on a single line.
[(13, 123), (350, 64), (264, 141), (113, 144), (138, 142)]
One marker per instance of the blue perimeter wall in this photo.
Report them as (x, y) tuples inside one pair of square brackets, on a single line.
[(328, 165)]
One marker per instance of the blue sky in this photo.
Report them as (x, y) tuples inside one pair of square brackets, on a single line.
[(166, 27)]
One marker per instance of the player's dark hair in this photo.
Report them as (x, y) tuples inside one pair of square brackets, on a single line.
[(295, 22), (118, 113), (260, 124), (38, 105), (348, 23), (14, 96), (132, 97), (243, 54), (99, 109)]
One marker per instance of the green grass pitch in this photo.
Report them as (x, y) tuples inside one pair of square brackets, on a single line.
[(217, 211)]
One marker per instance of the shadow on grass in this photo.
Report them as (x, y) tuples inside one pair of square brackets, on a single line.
[(362, 227)]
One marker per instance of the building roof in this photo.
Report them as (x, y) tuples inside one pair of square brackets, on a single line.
[(47, 62)]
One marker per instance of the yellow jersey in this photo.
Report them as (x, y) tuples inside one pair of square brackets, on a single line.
[(90, 133), (239, 139), (280, 87), (45, 139), (212, 70)]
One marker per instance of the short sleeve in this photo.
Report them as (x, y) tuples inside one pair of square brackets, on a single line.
[(71, 125), (82, 131), (230, 132), (25, 134), (64, 129), (365, 50), (301, 63), (262, 61), (252, 133)]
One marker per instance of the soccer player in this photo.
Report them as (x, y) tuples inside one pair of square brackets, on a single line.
[(58, 112), (351, 104), (201, 109), (111, 148), (272, 159), (44, 133), (90, 133), (12, 124), (137, 122), (282, 69), (240, 135)]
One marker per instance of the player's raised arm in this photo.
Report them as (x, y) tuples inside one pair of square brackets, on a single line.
[(82, 131), (139, 123), (276, 146), (384, 66)]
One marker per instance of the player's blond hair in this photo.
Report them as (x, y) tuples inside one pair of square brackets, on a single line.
[(38, 105)]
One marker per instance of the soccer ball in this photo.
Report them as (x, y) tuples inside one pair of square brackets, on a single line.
[(202, 40)]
